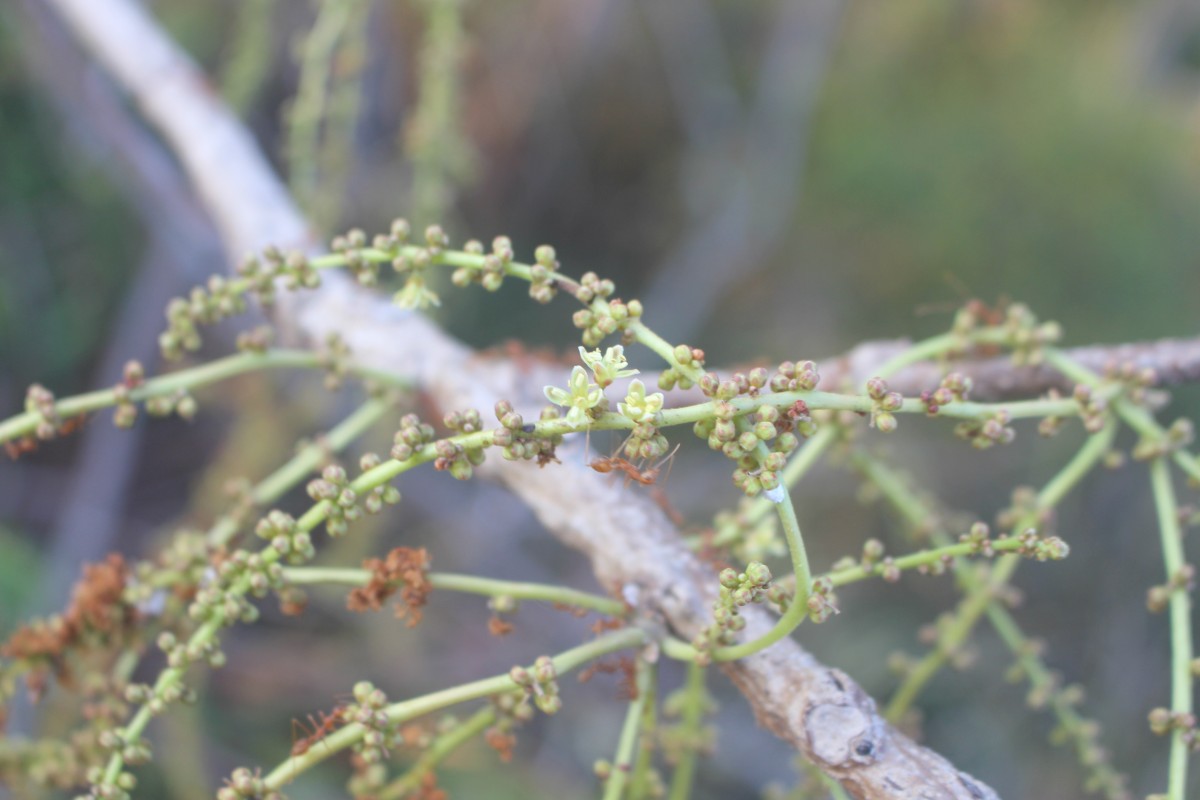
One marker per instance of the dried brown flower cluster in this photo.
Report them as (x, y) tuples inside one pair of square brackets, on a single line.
[(404, 568)]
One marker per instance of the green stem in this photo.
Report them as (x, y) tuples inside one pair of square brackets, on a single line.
[(798, 610), (640, 784), (981, 595), (437, 752), (796, 468), (435, 144), (927, 350), (623, 760), (862, 404), (185, 379), (693, 714), (308, 108), (1181, 622), (346, 736), (471, 584), (858, 572), (300, 466)]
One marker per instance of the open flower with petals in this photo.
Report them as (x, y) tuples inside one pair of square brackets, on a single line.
[(579, 398), (638, 406), (608, 367)]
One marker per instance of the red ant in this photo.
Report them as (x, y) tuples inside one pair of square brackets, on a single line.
[(320, 729), (646, 477)]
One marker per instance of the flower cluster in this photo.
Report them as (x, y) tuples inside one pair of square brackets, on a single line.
[(1042, 548), (740, 439), (411, 437), (222, 298), (686, 359), (1025, 336), (601, 319), (512, 710), (983, 434), (456, 459), (495, 264), (413, 266), (738, 589), (954, 388), (404, 569), (540, 684), (1025, 511), (369, 710), (516, 442), (1164, 722), (132, 376), (334, 358), (884, 404), (1179, 435), (40, 400), (246, 785), (342, 501), (223, 600), (1183, 580), (873, 561), (821, 602), (289, 542), (180, 402)]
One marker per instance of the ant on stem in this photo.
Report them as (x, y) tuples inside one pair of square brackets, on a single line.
[(646, 476), (320, 729)]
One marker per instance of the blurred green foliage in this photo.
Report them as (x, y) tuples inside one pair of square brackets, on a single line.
[(68, 242), (1010, 149)]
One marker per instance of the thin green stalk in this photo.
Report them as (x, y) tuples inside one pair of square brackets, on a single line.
[(614, 787), (437, 752), (185, 379), (472, 584), (798, 610), (346, 736), (300, 466), (640, 782), (1134, 415), (787, 622), (434, 142), (171, 677), (980, 596), (693, 714), (913, 511), (167, 679), (804, 460), (931, 348), (1180, 610), (309, 105), (926, 558), (250, 55), (862, 404)]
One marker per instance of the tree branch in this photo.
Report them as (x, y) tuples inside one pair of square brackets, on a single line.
[(634, 549)]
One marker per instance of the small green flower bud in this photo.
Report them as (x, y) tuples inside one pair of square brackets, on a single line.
[(758, 574)]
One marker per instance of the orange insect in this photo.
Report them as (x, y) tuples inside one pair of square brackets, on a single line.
[(320, 729), (645, 476)]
